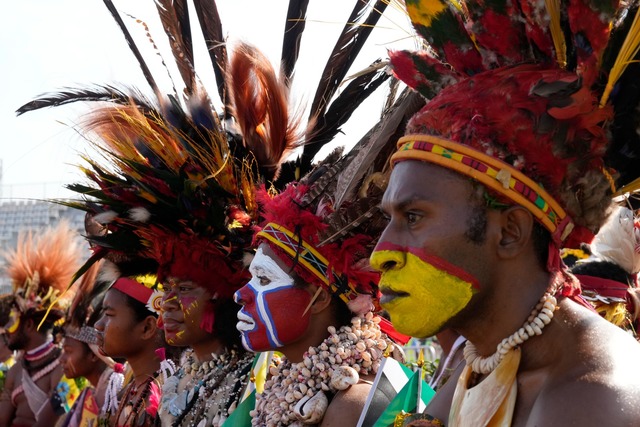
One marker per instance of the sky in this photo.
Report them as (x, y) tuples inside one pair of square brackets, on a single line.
[(47, 45)]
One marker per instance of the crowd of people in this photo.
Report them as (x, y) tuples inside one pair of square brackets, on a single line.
[(492, 206)]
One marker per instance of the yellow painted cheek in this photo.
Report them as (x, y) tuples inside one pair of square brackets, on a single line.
[(435, 296)]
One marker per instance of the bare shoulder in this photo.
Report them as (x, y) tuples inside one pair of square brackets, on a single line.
[(346, 406), (13, 375), (598, 381)]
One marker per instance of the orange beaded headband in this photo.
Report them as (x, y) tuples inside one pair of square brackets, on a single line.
[(493, 173)]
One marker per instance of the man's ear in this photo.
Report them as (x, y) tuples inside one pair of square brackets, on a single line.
[(516, 229), (322, 299), (28, 325), (149, 327)]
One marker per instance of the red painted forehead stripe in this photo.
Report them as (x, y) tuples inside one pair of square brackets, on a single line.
[(434, 260)]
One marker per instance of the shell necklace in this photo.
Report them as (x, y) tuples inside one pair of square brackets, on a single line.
[(297, 392), (538, 319), (211, 385)]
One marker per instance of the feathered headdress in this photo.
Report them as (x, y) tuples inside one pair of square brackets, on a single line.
[(179, 184), (532, 100), (326, 225), (609, 277), (41, 268)]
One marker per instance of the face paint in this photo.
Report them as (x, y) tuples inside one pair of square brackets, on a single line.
[(420, 291), (185, 306), (273, 309), (14, 321)]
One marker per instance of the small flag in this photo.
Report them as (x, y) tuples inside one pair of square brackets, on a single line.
[(398, 384)]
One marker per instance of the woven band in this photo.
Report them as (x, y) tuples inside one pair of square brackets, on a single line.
[(491, 172), (309, 258)]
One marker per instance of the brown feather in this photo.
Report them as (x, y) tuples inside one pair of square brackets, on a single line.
[(377, 144), (175, 20), (260, 105), (211, 27)]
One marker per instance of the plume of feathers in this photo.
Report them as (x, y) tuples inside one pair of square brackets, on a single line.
[(42, 266), (592, 47)]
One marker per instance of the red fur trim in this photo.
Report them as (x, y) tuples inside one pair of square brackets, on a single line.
[(345, 258), (527, 116), (188, 256)]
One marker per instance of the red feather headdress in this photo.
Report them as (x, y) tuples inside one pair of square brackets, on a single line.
[(521, 99)]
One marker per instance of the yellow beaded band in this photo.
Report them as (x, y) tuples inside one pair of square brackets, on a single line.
[(491, 172), (309, 258)]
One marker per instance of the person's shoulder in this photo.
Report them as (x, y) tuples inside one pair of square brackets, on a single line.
[(345, 407), (597, 381), (590, 401)]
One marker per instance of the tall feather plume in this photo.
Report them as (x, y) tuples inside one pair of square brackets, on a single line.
[(106, 93), (340, 110), (291, 41), (174, 15), (134, 48), (360, 23), (211, 27), (44, 263), (260, 104)]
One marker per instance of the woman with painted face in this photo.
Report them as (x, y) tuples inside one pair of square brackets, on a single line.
[(128, 329), (311, 297)]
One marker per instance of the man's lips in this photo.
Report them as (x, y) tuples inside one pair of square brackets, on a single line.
[(245, 322), (389, 295)]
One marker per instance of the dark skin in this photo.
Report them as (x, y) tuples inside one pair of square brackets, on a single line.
[(26, 338), (183, 306), (79, 361), (121, 335), (578, 363)]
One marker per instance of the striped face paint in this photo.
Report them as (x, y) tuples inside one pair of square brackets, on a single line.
[(273, 310), (420, 291)]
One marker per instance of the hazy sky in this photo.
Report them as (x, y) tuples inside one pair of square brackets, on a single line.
[(49, 44)]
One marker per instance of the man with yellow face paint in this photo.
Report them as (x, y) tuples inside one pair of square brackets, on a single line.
[(507, 163), (450, 291)]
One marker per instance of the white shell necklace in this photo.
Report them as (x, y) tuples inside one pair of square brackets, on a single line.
[(538, 319)]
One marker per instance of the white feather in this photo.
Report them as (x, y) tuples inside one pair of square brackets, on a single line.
[(105, 217), (617, 240), (109, 272), (139, 214)]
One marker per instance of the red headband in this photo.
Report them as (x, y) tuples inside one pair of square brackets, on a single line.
[(133, 288)]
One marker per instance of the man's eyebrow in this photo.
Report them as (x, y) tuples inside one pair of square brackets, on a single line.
[(402, 204)]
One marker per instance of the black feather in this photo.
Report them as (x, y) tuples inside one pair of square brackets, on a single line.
[(133, 47), (293, 29), (105, 93), (212, 31)]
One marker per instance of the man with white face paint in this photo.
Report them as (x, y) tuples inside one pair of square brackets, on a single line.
[(312, 300)]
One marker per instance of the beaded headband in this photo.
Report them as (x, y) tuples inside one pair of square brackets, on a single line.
[(309, 258), (493, 173)]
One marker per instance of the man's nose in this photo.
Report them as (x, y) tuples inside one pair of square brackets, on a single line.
[(385, 260)]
